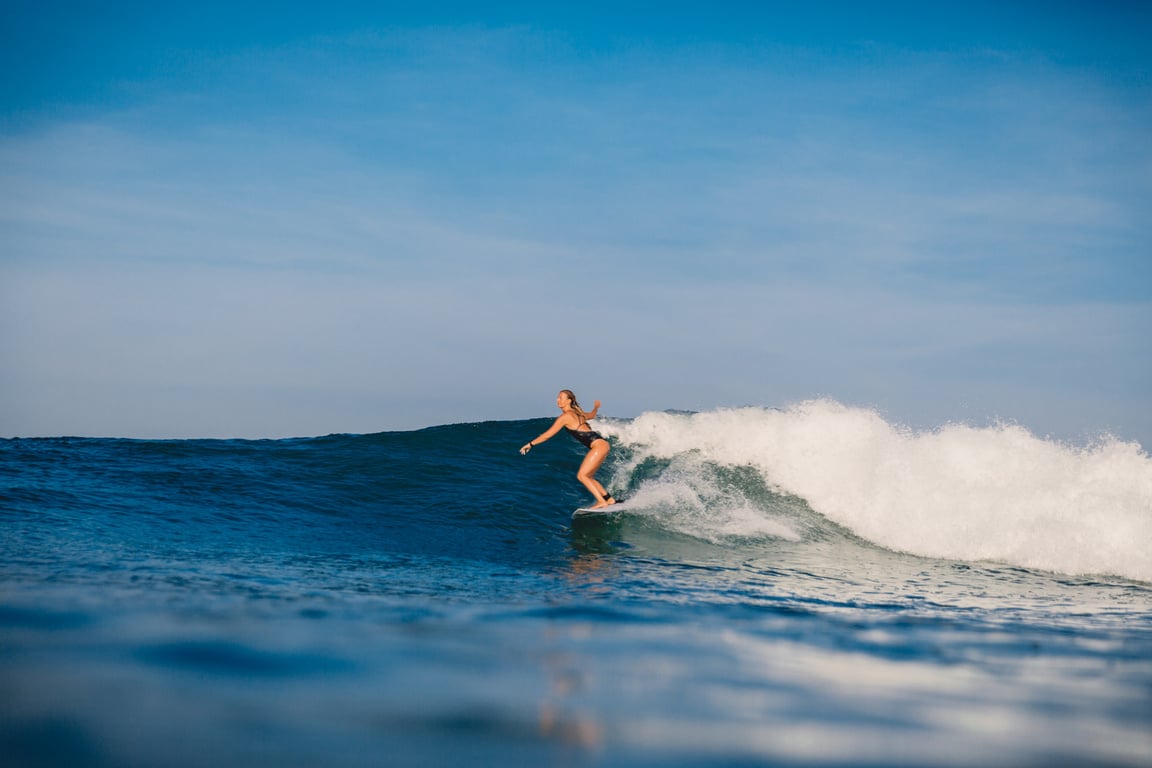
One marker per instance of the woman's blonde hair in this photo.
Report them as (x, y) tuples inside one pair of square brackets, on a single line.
[(575, 405)]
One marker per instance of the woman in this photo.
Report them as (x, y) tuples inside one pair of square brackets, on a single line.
[(575, 420)]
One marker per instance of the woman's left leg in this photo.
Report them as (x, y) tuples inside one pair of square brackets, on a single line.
[(587, 473)]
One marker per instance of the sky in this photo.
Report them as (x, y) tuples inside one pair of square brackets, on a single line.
[(274, 219)]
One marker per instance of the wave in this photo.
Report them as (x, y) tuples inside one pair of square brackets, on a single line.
[(739, 478), (959, 492)]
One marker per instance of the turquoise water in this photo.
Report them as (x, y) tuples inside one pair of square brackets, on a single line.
[(799, 587)]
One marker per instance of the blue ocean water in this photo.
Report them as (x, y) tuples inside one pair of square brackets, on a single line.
[(806, 586)]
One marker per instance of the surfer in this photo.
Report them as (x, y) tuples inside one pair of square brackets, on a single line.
[(575, 420)]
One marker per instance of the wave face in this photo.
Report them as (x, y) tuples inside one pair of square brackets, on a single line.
[(961, 493), (449, 491)]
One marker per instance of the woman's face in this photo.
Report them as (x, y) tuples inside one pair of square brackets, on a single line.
[(563, 401)]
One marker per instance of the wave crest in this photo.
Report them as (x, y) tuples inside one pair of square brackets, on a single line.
[(959, 492)]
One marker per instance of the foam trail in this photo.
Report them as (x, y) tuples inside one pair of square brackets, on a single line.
[(960, 492), (689, 499)]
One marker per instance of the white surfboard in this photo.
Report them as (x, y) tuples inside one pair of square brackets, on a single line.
[(601, 511)]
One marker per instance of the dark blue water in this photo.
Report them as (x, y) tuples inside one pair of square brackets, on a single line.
[(424, 598)]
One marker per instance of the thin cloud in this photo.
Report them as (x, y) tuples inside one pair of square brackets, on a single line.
[(394, 218)]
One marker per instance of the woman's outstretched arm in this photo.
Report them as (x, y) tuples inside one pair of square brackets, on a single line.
[(560, 423)]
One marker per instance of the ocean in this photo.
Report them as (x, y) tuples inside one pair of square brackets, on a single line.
[(806, 586)]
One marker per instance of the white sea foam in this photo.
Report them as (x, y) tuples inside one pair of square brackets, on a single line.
[(994, 493), (688, 499)]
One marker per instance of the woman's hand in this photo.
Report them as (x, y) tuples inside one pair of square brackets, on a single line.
[(525, 448)]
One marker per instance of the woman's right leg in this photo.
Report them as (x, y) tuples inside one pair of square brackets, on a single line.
[(587, 472)]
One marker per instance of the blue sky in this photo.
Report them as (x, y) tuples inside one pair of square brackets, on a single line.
[(269, 220)]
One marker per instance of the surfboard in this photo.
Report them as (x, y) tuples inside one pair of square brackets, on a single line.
[(611, 509)]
